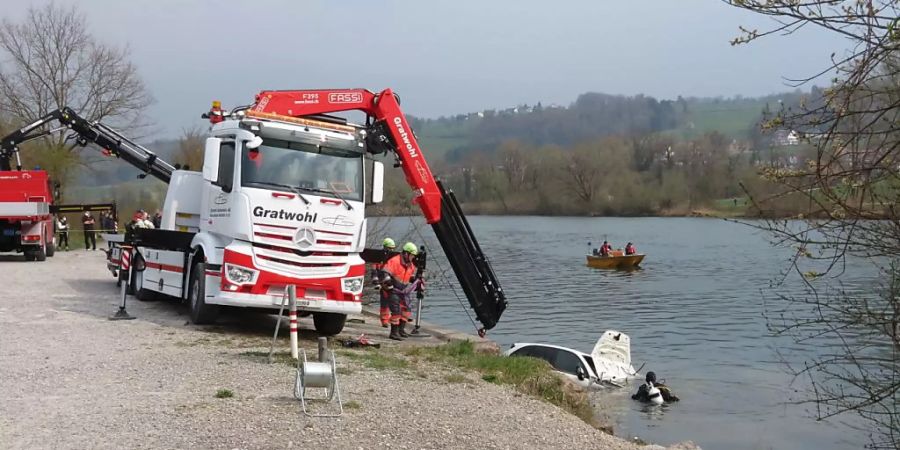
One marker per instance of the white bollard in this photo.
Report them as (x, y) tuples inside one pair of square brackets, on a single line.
[(292, 315)]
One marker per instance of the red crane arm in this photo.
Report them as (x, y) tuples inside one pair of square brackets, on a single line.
[(383, 106)]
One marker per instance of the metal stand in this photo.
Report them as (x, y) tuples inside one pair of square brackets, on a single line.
[(416, 331), (277, 325), (421, 263), (321, 374), (125, 266)]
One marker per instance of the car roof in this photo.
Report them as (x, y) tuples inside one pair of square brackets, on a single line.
[(519, 345)]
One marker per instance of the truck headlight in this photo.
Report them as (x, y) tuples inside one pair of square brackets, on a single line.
[(240, 275), (353, 285)]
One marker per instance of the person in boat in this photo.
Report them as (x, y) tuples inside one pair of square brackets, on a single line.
[(629, 249), (400, 282), (387, 246), (648, 391), (605, 249)]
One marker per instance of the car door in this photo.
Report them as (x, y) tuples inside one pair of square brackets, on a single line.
[(569, 363)]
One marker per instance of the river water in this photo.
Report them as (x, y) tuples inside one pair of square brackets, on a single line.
[(696, 314)]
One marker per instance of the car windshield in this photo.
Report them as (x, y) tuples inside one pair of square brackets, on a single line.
[(318, 169)]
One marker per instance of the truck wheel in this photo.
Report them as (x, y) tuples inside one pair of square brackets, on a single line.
[(329, 324), (41, 254), (29, 255), (201, 313), (51, 249)]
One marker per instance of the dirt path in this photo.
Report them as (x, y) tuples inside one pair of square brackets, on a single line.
[(70, 378)]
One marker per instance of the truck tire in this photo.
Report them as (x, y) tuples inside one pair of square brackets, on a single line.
[(29, 254), (41, 253), (329, 324), (201, 313), (51, 249)]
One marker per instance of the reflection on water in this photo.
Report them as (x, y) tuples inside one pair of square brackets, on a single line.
[(695, 314)]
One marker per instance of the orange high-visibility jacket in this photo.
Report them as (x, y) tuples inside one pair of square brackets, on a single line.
[(394, 267)]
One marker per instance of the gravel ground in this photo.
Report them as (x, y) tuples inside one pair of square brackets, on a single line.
[(70, 378)]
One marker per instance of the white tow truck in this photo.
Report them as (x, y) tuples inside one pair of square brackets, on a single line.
[(280, 201)]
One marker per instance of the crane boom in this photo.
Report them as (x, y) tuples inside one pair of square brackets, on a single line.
[(86, 132), (438, 205)]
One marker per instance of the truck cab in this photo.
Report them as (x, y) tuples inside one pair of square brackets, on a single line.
[(279, 202)]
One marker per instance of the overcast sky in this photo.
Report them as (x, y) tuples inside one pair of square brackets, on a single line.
[(442, 57)]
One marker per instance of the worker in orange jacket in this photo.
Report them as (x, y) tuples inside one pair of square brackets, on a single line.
[(399, 283), (388, 245)]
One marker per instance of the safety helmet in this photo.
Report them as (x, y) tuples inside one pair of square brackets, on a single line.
[(389, 243), (411, 248)]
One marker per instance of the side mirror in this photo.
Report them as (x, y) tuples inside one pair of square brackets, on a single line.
[(253, 143), (580, 372), (377, 182), (211, 160)]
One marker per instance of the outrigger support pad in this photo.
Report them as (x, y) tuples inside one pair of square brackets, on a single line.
[(121, 314)]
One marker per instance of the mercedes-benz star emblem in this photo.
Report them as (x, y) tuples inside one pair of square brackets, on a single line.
[(305, 237)]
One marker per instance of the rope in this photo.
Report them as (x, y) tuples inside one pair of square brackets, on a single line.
[(447, 280)]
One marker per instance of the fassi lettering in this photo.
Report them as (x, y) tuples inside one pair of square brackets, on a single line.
[(405, 137), (259, 211)]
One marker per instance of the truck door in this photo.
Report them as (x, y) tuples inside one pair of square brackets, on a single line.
[(220, 197)]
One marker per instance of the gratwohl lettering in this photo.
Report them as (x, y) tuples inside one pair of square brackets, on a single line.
[(398, 122), (281, 214)]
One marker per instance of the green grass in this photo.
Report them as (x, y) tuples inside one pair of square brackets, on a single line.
[(456, 378), (224, 393), (528, 375), (352, 404), (729, 118), (376, 360), (277, 357)]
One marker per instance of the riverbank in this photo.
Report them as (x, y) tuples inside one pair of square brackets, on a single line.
[(73, 379)]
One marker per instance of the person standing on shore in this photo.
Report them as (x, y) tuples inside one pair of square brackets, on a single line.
[(62, 225), (400, 281), (384, 311), (89, 238)]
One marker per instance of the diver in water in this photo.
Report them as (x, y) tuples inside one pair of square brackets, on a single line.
[(653, 392)]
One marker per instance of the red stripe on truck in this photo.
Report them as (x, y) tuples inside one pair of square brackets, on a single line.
[(164, 267)]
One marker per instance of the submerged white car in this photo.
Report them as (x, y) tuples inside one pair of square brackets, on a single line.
[(608, 363)]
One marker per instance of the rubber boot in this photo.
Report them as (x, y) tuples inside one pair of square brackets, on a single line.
[(395, 333), (402, 330)]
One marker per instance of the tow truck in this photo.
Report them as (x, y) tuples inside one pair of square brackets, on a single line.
[(280, 201)]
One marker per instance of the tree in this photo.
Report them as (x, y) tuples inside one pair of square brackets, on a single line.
[(190, 149), (851, 189), (51, 61)]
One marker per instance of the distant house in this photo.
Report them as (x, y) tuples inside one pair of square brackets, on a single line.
[(785, 137)]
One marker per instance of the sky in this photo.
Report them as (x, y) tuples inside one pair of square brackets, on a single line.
[(442, 57)]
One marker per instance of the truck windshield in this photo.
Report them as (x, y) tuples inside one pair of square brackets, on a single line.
[(321, 170)]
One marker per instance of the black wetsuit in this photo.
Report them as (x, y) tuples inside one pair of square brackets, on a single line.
[(643, 393)]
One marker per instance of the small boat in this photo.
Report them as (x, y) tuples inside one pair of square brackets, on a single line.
[(616, 260)]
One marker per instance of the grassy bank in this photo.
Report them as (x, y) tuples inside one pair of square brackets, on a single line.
[(457, 361), (529, 376)]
